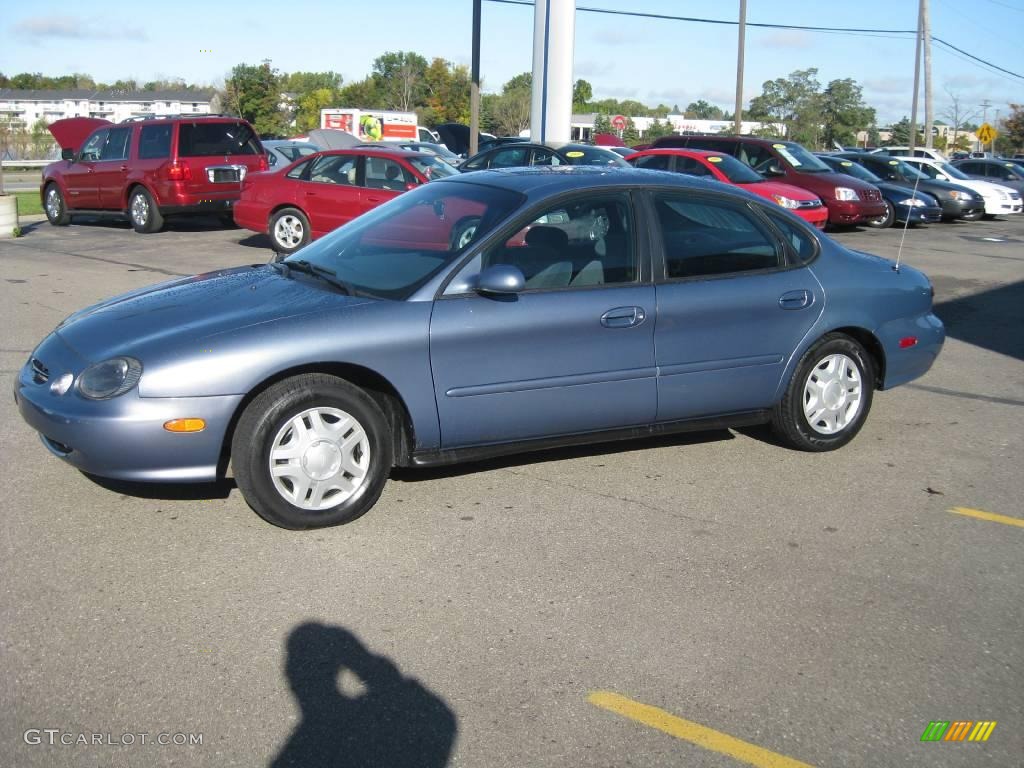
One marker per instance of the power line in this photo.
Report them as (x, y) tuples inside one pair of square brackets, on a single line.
[(725, 22)]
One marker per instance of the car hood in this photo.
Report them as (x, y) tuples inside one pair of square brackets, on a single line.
[(769, 188), (192, 309), (892, 190), (983, 188), (71, 132)]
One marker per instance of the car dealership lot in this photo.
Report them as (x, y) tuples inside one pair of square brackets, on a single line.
[(824, 607)]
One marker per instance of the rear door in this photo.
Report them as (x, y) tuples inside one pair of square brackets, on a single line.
[(732, 307)]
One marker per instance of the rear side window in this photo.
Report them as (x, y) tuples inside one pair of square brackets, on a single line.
[(706, 238), (714, 145), (155, 142), (804, 246), (297, 171), (691, 167), (211, 139), (653, 162)]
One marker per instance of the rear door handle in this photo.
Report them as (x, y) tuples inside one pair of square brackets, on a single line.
[(623, 317), (124, 169), (796, 299)]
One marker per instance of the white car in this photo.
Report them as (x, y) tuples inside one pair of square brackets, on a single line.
[(999, 199), (904, 152)]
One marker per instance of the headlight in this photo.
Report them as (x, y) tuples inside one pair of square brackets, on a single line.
[(913, 202), (963, 196), (845, 193), (110, 378), (785, 202), (1003, 195)]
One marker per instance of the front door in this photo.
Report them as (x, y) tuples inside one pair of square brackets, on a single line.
[(572, 353), (112, 169), (331, 196), (732, 307), (80, 176)]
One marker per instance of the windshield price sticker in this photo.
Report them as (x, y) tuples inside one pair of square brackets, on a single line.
[(787, 155), (574, 153), (714, 159)]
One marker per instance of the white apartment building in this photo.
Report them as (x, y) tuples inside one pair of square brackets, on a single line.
[(24, 108)]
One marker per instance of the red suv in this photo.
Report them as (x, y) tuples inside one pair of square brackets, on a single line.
[(848, 200), (148, 168)]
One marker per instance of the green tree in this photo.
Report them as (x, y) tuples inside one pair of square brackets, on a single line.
[(522, 81), (843, 113), (254, 92), (310, 92), (658, 129), (362, 94), (702, 110), (602, 124), (399, 76), (447, 93), (1012, 127), (793, 101), (630, 134), (582, 93)]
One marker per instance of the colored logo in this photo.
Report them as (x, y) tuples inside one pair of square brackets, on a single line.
[(958, 730)]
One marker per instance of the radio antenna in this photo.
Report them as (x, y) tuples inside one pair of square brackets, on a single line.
[(906, 223)]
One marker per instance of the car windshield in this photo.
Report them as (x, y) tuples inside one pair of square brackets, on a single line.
[(952, 171), (432, 166), (389, 252), (858, 171), (734, 170), (584, 155), (799, 158)]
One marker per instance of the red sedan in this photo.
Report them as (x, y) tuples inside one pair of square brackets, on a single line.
[(319, 193), (728, 169)]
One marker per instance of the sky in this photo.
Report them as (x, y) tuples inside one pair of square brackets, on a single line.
[(653, 61)]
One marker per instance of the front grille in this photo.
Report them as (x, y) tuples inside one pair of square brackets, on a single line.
[(40, 373), (809, 203), (872, 195)]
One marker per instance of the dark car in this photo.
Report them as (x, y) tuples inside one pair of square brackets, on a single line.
[(321, 192), (638, 303), (911, 207), (149, 168), (956, 202), (848, 200), (521, 154), (1006, 172)]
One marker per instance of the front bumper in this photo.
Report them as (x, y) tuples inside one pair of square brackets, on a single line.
[(853, 211), (122, 438), (931, 214)]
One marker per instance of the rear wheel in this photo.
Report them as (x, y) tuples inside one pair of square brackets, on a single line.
[(312, 451), (142, 211), (56, 210), (829, 396), (885, 220), (289, 230)]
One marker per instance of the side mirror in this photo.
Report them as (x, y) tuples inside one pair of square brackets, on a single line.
[(67, 154), (501, 279)]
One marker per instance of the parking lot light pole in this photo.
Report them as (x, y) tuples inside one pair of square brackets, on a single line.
[(738, 115), (474, 87), (917, 86)]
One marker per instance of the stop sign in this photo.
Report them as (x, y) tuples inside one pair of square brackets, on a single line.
[(619, 123)]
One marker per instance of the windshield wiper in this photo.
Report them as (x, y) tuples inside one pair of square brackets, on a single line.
[(325, 274)]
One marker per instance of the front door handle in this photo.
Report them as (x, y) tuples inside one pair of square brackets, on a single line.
[(374, 199), (623, 317), (800, 299)]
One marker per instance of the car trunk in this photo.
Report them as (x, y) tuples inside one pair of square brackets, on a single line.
[(218, 155)]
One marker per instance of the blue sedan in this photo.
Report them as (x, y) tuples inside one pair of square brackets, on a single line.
[(484, 314)]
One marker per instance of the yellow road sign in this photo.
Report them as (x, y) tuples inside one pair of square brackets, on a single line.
[(986, 133)]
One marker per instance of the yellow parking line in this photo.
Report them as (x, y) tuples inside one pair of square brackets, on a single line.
[(988, 516), (701, 735)]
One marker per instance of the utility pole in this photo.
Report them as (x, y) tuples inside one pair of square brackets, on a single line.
[(474, 87), (984, 119), (917, 85), (738, 114), (926, 41)]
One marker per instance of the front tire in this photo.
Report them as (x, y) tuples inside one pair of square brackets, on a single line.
[(828, 398), (312, 451), (55, 207), (885, 220), (289, 230), (973, 216), (145, 216), (464, 232)]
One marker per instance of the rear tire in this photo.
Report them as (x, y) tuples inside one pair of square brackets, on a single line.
[(289, 230), (55, 207), (829, 396), (312, 451), (145, 216)]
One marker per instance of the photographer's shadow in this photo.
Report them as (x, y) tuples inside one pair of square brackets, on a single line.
[(358, 710)]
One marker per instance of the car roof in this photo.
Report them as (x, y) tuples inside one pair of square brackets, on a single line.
[(541, 181), (376, 152), (683, 151)]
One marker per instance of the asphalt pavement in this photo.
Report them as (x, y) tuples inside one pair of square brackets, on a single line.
[(812, 609)]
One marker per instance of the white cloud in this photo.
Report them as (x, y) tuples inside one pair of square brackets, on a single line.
[(72, 28), (784, 38)]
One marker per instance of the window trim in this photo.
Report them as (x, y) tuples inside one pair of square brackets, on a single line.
[(500, 235), (659, 263)]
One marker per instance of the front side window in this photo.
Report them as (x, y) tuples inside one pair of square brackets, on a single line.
[(385, 173), (334, 169), (155, 142), (511, 157), (94, 146), (706, 238), (583, 243), (545, 157), (116, 145)]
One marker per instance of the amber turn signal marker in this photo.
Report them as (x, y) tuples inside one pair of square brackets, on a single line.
[(185, 425)]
